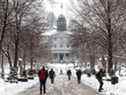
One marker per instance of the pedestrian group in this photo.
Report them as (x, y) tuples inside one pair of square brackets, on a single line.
[(44, 74)]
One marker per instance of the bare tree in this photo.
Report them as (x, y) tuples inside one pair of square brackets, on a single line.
[(104, 17), (4, 15)]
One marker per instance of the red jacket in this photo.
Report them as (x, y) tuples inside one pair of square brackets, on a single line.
[(42, 74)]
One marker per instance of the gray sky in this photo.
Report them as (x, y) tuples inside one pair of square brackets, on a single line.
[(55, 6)]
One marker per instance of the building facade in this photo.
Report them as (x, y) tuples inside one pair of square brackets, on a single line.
[(59, 40)]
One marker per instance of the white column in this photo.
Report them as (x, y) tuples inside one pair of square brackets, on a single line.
[(58, 57), (65, 58)]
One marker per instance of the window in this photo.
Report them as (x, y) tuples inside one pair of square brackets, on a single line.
[(61, 39), (55, 38), (55, 55), (55, 46), (46, 46), (61, 45), (68, 46), (67, 54)]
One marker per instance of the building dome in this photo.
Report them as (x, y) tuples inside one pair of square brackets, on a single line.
[(61, 23)]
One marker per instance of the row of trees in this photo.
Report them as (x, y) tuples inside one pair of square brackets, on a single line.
[(100, 29), (21, 25)]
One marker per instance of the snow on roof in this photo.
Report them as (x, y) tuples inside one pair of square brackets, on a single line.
[(68, 32), (50, 32), (54, 31)]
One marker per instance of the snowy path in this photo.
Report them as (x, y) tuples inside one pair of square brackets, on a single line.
[(62, 87)]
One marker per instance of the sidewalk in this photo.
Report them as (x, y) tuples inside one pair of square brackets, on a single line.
[(62, 87), (72, 87)]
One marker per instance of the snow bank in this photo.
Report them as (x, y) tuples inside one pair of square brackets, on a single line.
[(14, 88), (119, 89)]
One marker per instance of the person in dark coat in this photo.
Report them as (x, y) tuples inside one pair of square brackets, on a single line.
[(52, 75), (99, 76), (42, 78), (78, 73), (69, 74)]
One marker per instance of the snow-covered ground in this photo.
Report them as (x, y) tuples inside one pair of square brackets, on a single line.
[(118, 89), (7, 88), (14, 88), (62, 86)]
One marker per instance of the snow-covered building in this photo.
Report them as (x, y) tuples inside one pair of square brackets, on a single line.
[(59, 41)]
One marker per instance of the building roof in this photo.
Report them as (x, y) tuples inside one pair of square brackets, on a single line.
[(50, 32), (55, 32)]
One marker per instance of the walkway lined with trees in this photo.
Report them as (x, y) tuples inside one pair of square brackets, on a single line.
[(61, 86)]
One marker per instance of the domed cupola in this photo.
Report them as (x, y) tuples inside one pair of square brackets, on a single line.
[(61, 23)]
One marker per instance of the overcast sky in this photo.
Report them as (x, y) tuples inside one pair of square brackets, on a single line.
[(55, 6)]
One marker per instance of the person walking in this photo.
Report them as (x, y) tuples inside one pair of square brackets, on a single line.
[(52, 75), (69, 74), (99, 76), (42, 78), (78, 74)]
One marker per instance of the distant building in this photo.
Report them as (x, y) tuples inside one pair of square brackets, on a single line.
[(59, 41), (51, 20)]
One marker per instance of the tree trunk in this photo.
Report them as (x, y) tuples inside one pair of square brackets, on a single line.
[(18, 18), (110, 55), (115, 65), (31, 51), (16, 50), (7, 54), (92, 56), (9, 60), (9, 57), (21, 69), (2, 65), (24, 60), (31, 63), (92, 61), (4, 24)]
